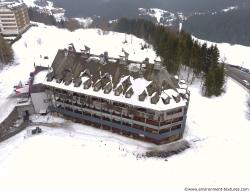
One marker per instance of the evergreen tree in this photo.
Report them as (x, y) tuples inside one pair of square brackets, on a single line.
[(196, 58), (219, 80), (204, 58), (177, 49), (208, 86), (6, 52), (214, 81), (38, 16), (215, 74)]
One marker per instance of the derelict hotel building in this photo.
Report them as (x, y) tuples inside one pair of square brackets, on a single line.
[(135, 99)]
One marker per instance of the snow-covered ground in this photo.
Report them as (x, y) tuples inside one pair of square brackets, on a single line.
[(58, 13), (70, 157), (157, 13), (163, 17), (232, 54), (43, 40), (85, 22), (31, 3)]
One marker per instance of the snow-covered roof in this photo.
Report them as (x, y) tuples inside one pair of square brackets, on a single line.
[(71, 65), (39, 77), (160, 106), (10, 5)]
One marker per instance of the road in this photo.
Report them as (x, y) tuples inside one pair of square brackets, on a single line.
[(238, 75)]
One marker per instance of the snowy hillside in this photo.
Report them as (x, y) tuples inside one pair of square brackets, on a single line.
[(43, 40), (232, 54), (70, 157), (48, 7), (163, 17), (85, 22), (32, 3)]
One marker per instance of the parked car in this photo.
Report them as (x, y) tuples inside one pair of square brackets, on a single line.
[(36, 131), (245, 70), (245, 82)]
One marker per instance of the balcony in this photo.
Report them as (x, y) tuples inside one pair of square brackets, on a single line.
[(152, 122), (138, 129)]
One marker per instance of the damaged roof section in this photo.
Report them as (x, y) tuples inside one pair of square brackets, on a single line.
[(106, 76), (68, 65)]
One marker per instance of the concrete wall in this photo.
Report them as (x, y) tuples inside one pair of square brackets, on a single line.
[(15, 122), (8, 122), (22, 109), (40, 102)]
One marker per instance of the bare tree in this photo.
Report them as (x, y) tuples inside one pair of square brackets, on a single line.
[(6, 52), (72, 24)]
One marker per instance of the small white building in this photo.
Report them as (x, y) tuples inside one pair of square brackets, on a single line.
[(37, 91), (14, 18)]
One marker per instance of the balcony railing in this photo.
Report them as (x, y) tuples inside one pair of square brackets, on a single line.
[(151, 133)]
